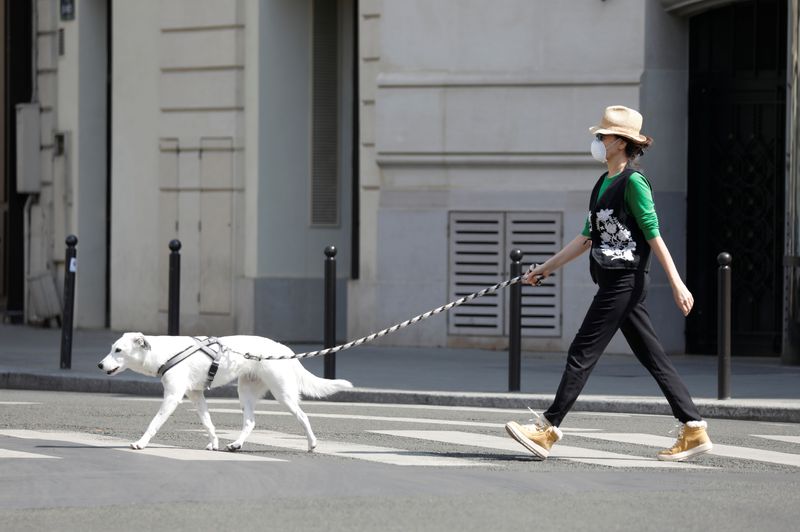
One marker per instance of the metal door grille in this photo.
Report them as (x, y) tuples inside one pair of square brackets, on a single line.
[(736, 180)]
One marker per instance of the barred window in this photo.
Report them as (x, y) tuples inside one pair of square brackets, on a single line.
[(325, 115)]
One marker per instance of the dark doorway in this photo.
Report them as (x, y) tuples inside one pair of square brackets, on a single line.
[(17, 86), (737, 88)]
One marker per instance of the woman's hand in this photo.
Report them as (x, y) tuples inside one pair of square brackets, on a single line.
[(683, 298), (535, 274)]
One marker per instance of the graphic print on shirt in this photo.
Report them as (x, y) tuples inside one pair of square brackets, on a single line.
[(616, 241)]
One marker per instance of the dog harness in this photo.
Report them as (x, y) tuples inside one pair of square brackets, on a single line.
[(209, 346)]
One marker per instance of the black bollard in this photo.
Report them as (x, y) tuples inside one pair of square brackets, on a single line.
[(174, 303), (330, 310), (515, 325), (70, 267), (724, 326)]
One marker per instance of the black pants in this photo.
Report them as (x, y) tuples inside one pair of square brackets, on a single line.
[(619, 304)]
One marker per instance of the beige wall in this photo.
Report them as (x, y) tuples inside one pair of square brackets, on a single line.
[(71, 93), (212, 132), (178, 173), (135, 169), (461, 108), (489, 109)]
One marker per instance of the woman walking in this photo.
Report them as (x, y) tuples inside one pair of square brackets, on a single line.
[(621, 231)]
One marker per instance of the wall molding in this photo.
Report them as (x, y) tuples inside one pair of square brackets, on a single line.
[(538, 79), (452, 159), (688, 8)]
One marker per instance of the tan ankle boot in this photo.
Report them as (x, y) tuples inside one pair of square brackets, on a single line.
[(537, 438), (692, 440)]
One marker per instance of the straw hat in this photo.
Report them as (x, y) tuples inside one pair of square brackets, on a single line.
[(622, 121)]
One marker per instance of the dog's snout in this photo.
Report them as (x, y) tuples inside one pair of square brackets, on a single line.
[(100, 365)]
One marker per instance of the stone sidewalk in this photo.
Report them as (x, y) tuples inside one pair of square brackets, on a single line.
[(762, 388)]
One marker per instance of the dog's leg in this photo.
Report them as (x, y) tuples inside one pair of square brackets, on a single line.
[(199, 401), (250, 391), (171, 400), (293, 405)]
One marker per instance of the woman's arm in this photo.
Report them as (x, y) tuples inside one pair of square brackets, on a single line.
[(639, 201), (683, 298), (571, 251)]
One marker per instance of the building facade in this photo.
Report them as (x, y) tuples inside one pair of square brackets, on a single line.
[(424, 139)]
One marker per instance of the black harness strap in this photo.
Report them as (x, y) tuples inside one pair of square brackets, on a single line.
[(180, 357), (213, 349), (210, 346)]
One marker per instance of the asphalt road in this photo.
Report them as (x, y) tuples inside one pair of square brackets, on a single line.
[(65, 465)]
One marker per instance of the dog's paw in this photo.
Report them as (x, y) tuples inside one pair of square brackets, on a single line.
[(312, 446), (213, 446), (233, 447), (138, 446)]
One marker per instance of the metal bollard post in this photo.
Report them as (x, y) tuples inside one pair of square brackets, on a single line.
[(330, 310), (515, 325), (71, 266), (724, 326), (174, 303)]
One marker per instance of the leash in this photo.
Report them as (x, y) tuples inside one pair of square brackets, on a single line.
[(397, 327)]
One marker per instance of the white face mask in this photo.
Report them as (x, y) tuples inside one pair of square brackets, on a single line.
[(598, 150)]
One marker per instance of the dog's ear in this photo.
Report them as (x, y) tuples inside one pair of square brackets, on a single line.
[(142, 342)]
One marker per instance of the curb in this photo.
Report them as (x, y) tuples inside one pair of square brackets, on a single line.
[(787, 411)]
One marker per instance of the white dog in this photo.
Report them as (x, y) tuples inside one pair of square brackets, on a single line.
[(188, 365)]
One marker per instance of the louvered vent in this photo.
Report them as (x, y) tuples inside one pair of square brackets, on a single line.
[(538, 235), (480, 243), (325, 115), (476, 261)]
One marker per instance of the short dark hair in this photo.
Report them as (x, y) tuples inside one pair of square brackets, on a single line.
[(634, 149)]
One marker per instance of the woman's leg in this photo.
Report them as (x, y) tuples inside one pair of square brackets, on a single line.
[(639, 332), (619, 292), (692, 438)]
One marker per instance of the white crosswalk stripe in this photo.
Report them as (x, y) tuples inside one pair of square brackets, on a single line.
[(729, 451), (576, 454), (162, 451), (418, 420), (370, 453), (8, 453), (404, 457), (787, 439)]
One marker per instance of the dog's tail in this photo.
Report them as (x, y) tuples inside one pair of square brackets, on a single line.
[(313, 386)]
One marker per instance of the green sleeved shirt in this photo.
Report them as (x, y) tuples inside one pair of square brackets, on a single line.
[(639, 202)]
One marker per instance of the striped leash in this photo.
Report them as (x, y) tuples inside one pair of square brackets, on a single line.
[(397, 327)]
